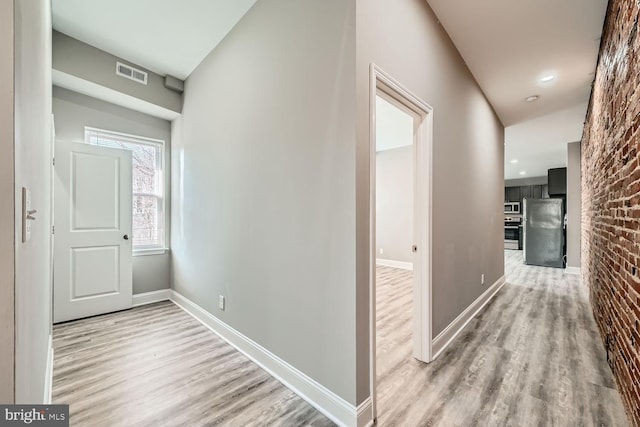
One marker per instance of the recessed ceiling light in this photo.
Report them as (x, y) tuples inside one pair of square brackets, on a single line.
[(547, 79), (532, 98), (514, 161), (523, 173)]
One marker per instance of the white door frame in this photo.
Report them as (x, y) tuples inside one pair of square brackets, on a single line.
[(382, 83), (52, 164)]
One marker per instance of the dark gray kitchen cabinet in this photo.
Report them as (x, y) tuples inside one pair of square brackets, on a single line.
[(536, 191), (518, 194), (557, 180), (525, 193), (513, 194)]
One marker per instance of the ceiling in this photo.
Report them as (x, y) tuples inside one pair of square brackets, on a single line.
[(541, 144), (509, 45), (165, 36), (394, 127)]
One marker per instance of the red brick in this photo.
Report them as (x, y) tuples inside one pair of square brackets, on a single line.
[(611, 199)]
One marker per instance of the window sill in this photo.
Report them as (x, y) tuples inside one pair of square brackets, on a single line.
[(147, 252)]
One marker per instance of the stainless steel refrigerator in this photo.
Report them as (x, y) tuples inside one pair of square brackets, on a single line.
[(544, 232)]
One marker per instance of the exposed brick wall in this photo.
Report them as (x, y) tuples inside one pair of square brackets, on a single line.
[(611, 198)]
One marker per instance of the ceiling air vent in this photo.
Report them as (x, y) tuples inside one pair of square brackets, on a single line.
[(131, 73)]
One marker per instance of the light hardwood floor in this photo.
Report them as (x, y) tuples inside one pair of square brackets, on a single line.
[(532, 357), (157, 366)]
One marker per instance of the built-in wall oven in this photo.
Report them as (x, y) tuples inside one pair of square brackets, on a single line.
[(512, 208), (512, 231)]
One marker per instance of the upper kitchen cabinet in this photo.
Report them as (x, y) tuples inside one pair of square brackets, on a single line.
[(513, 194), (525, 193), (536, 191), (519, 193), (557, 181)]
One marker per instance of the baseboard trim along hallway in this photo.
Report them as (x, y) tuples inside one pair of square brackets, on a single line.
[(394, 264), (151, 297), (444, 338), (324, 400)]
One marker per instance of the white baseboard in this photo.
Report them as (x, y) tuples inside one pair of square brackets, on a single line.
[(365, 413), (444, 338), (395, 264), (573, 270), (324, 400), (151, 297), (48, 379)]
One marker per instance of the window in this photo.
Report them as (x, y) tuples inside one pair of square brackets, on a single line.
[(148, 184)]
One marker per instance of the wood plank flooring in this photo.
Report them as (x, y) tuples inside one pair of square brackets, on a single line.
[(157, 366), (532, 357)]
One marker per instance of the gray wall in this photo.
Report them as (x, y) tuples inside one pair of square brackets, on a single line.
[(394, 204), (263, 185), (7, 245), (405, 39), (574, 204), (33, 170), (151, 272), (79, 59), (73, 112), (534, 180)]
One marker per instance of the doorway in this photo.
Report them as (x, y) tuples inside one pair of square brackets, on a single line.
[(404, 231)]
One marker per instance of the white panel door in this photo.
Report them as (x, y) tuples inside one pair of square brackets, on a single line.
[(92, 254)]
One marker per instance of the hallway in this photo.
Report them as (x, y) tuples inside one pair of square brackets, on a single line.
[(532, 357)]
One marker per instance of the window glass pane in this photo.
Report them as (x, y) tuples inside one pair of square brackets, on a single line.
[(144, 159), (147, 229), (148, 185)]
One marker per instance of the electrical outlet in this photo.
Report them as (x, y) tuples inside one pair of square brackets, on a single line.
[(221, 302), (482, 279), (381, 251)]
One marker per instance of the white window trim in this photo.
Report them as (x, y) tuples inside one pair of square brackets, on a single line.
[(144, 250), (147, 252)]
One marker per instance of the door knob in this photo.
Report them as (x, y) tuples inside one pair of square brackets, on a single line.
[(414, 248), (126, 237)]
